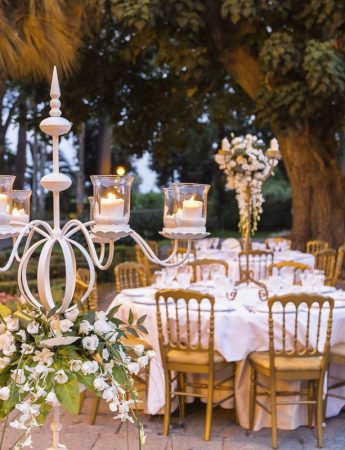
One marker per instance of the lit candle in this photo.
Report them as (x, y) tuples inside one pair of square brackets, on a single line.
[(19, 215), (3, 203), (112, 206), (192, 209)]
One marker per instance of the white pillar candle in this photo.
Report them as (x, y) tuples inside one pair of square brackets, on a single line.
[(112, 206), (192, 209), (274, 145), (3, 203)]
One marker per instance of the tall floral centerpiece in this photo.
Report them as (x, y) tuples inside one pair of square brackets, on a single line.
[(247, 164)]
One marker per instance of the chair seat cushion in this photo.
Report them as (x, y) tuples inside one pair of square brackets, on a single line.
[(191, 357), (293, 363), (337, 355)]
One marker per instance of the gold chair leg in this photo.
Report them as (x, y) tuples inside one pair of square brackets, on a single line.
[(166, 420), (252, 398), (274, 416), (319, 414), (82, 400), (94, 409), (182, 398), (209, 406), (311, 396)]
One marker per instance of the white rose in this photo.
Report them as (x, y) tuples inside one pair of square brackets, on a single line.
[(12, 323), (33, 327), (105, 354), (99, 384), (109, 394), (89, 367), (7, 343), (61, 377), (72, 315), (113, 406), (151, 354), (27, 349), (90, 343), (133, 368), (52, 399), (18, 376), (101, 315), (4, 393), (101, 327), (22, 334), (143, 361), (75, 365), (139, 349), (85, 327), (112, 336), (40, 368), (4, 362), (66, 325)]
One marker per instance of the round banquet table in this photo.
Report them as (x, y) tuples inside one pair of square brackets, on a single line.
[(232, 259), (241, 327)]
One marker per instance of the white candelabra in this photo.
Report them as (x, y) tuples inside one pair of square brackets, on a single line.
[(184, 218)]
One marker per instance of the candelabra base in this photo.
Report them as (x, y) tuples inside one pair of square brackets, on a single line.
[(108, 233), (184, 233)]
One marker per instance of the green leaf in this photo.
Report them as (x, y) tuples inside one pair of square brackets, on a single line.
[(141, 319), (143, 329), (86, 380), (132, 332), (130, 317), (4, 311), (45, 410), (113, 310), (52, 311), (120, 375), (68, 395)]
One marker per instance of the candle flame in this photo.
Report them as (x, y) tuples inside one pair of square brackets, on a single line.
[(111, 196)]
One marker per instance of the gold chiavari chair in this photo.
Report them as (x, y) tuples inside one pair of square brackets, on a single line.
[(129, 275), (141, 259), (272, 243), (255, 261), (91, 303), (325, 260), (316, 246), (186, 347), (338, 264), (196, 265), (298, 357), (295, 265)]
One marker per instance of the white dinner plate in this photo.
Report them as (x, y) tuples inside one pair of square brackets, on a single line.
[(277, 309), (139, 292), (326, 289), (218, 306)]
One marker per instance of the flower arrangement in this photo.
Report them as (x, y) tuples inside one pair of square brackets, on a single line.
[(47, 359), (247, 165)]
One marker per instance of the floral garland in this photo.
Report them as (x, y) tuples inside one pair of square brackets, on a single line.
[(45, 357), (247, 166)]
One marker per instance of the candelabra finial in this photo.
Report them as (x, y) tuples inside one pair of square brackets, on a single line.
[(55, 95)]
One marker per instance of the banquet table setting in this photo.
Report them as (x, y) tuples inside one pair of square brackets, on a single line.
[(241, 327)]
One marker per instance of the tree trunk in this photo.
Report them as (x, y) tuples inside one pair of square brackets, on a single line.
[(104, 145), (20, 166), (317, 187), (81, 172)]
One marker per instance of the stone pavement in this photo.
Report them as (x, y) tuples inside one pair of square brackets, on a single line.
[(109, 434)]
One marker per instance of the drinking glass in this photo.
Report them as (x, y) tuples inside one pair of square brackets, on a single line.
[(170, 273), (205, 272), (160, 279), (217, 271), (183, 277)]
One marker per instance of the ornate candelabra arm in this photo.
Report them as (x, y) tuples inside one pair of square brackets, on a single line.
[(150, 255), (79, 226)]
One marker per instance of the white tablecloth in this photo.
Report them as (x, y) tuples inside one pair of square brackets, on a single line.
[(237, 333), (289, 255)]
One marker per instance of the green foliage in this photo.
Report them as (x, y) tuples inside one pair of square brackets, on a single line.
[(238, 9)]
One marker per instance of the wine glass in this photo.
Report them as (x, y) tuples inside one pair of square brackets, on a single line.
[(205, 273)]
